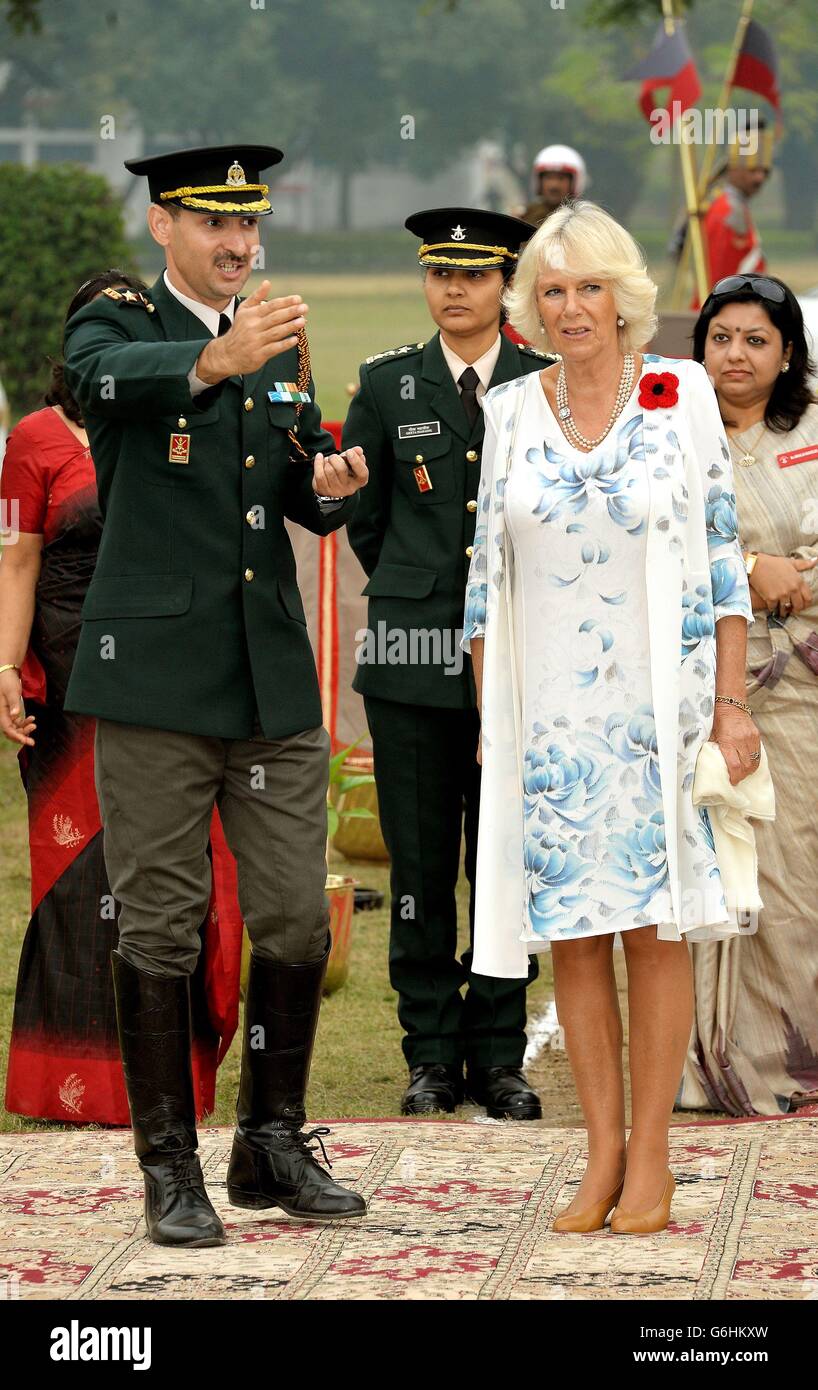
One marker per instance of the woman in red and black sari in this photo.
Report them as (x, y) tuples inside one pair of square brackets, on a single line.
[(64, 1061)]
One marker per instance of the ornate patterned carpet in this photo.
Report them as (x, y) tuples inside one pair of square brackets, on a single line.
[(457, 1211)]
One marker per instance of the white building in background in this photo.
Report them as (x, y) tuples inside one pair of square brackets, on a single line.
[(305, 197)]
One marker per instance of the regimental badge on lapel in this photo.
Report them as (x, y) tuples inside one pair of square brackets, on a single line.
[(179, 451), (422, 478)]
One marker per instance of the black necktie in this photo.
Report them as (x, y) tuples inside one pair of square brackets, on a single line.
[(224, 325), (468, 383)]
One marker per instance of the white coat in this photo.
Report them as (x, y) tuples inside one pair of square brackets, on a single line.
[(695, 575)]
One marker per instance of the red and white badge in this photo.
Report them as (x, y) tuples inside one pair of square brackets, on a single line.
[(422, 478), (809, 451), (179, 451)]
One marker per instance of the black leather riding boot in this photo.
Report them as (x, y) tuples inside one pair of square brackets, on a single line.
[(273, 1163), (153, 1016)]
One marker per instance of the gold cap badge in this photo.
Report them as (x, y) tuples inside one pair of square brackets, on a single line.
[(235, 175)]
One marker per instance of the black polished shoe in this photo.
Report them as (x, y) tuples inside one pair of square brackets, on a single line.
[(433, 1086), (272, 1163), (153, 1018), (505, 1093)]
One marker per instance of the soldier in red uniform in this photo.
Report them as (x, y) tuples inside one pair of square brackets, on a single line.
[(731, 240)]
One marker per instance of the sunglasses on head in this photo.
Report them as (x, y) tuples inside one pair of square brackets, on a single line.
[(758, 284)]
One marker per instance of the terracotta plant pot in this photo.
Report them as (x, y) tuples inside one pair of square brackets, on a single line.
[(341, 894)]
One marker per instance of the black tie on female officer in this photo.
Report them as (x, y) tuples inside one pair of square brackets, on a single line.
[(468, 382)]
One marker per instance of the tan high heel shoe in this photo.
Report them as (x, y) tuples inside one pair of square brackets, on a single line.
[(592, 1218), (643, 1223)]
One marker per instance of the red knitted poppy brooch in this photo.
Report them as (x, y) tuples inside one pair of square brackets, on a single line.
[(658, 391)]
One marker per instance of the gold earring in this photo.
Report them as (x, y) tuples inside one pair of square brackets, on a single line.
[(785, 366)]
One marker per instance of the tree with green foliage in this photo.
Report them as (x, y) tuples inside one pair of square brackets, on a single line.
[(59, 225)]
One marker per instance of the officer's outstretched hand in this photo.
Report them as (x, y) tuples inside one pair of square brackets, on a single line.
[(262, 328), (339, 475)]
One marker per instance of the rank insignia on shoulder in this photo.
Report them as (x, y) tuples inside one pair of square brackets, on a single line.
[(393, 352), (130, 297), (287, 391)]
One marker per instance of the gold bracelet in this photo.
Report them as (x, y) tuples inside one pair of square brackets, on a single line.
[(9, 666), (750, 561), (728, 700)]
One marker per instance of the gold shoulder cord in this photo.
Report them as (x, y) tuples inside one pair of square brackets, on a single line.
[(302, 381)]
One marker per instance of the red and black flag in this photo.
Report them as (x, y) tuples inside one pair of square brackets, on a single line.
[(669, 64), (757, 65)]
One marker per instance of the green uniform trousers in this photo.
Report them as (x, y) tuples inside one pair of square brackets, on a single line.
[(428, 782), (156, 791)]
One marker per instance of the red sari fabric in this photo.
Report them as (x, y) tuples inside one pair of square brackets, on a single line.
[(64, 1061)]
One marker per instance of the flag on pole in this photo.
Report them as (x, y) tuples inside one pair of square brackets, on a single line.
[(669, 63), (757, 65)]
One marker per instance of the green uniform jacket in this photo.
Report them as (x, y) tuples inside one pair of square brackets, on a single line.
[(193, 620), (413, 531)]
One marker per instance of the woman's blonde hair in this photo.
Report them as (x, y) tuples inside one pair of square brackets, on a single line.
[(582, 239)]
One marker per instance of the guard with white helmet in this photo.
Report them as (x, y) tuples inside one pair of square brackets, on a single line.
[(558, 172)]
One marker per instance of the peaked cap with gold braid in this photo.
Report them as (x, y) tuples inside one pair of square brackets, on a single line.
[(223, 179), (469, 238)]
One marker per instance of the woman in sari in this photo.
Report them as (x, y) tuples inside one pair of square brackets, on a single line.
[(64, 1060), (755, 1043)]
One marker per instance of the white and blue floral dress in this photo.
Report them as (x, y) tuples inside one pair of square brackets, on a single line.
[(573, 530)]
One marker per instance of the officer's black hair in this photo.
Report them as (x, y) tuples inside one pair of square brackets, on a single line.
[(792, 392), (57, 392)]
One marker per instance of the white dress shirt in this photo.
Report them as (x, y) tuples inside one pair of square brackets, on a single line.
[(484, 366), (209, 317)]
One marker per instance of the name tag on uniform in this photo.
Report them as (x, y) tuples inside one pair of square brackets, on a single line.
[(288, 392), (809, 451), (422, 478), (419, 431), (179, 451)]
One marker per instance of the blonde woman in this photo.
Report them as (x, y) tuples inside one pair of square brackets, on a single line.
[(606, 615)]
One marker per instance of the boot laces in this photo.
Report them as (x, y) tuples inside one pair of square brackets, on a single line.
[(301, 1142), (184, 1172)]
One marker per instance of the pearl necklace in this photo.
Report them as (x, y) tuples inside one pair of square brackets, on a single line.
[(564, 409)]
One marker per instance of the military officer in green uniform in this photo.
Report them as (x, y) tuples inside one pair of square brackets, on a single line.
[(195, 660), (418, 417)]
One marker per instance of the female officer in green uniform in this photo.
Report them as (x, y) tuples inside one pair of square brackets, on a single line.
[(418, 417)]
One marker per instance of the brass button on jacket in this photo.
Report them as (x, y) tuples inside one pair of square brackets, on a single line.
[(248, 574), (469, 550), (249, 461), (471, 506), (471, 455), (248, 404)]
